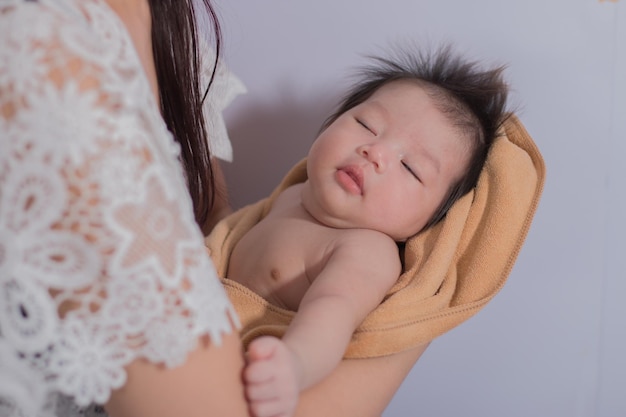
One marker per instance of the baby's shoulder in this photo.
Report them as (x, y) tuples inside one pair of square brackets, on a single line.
[(366, 243)]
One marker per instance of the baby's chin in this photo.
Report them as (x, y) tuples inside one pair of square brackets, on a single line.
[(331, 219)]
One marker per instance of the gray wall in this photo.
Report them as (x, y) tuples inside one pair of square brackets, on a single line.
[(552, 342)]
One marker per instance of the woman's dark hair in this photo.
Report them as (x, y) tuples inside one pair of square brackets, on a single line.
[(177, 61), (473, 99)]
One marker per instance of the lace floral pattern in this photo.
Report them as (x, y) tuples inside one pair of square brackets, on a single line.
[(100, 258), (224, 89)]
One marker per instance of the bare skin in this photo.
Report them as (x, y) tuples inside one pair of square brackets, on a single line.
[(358, 387), (327, 249), (344, 302), (208, 383)]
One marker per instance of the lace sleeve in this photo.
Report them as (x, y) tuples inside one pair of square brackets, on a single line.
[(225, 87), (101, 261)]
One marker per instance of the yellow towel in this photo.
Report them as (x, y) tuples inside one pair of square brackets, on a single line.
[(450, 271)]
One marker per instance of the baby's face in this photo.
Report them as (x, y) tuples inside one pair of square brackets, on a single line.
[(386, 164)]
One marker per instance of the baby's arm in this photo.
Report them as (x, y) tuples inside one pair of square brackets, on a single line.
[(353, 282)]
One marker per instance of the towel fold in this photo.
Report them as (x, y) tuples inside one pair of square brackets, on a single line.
[(450, 271)]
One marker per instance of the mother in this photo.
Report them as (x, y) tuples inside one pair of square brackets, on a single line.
[(106, 292)]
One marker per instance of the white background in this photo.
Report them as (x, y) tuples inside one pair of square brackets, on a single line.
[(553, 342)]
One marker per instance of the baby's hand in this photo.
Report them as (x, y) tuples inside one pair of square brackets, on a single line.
[(270, 378)]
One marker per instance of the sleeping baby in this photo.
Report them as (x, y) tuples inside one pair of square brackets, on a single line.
[(409, 139)]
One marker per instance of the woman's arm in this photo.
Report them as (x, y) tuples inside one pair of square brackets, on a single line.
[(359, 387), (207, 384)]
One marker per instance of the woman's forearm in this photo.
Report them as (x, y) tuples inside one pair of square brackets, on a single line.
[(207, 384), (359, 387)]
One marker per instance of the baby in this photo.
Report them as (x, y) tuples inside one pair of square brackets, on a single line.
[(408, 140)]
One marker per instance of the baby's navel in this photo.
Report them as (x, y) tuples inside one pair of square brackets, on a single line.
[(275, 274)]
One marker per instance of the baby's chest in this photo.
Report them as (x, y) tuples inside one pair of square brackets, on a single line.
[(279, 261)]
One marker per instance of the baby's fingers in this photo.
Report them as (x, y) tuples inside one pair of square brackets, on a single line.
[(265, 400), (271, 408), (263, 348), (262, 392), (270, 396), (261, 371)]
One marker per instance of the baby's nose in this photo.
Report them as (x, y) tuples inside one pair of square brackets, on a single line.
[(376, 154)]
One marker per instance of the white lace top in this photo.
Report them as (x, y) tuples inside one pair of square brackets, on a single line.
[(101, 261)]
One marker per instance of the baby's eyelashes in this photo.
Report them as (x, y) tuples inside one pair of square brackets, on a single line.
[(411, 171), (365, 125)]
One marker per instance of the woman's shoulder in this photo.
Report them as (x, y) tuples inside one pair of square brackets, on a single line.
[(105, 262)]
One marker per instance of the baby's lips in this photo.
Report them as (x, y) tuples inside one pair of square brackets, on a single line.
[(351, 179)]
